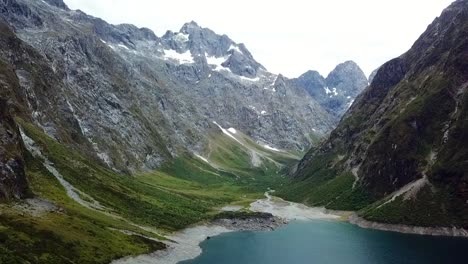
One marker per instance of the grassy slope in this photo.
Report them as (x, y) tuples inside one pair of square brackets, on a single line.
[(326, 189), (184, 191)]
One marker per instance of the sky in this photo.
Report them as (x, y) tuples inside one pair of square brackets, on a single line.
[(288, 37)]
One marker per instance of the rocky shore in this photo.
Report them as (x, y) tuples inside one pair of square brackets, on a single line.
[(250, 222), (431, 231)]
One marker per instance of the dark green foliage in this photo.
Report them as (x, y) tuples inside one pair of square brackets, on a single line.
[(335, 193), (430, 207)]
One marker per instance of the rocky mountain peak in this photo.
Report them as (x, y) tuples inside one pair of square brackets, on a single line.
[(349, 74), (58, 3), (135, 33), (337, 92), (218, 51), (347, 79), (190, 27)]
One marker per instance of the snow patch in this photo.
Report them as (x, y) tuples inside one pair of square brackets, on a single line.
[(182, 58), (123, 46), (103, 41), (227, 132), (216, 62), (232, 130), (202, 158), (335, 92), (271, 148), (263, 112), (256, 79), (235, 48), (332, 92)]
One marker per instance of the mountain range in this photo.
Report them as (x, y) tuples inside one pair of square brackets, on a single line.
[(153, 97)]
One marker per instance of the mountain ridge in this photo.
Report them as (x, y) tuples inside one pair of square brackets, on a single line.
[(337, 91), (391, 156)]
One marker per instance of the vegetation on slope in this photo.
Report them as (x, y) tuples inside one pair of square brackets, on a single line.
[(184, 191)]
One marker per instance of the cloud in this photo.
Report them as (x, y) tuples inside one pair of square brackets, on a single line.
[(291, 36)]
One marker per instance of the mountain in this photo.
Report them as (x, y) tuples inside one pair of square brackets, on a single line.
[(151, 98), (399, 154), (337, 92)]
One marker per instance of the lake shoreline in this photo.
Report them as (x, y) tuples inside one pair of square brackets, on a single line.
[(274, 213), (407, 229), (187, 242)]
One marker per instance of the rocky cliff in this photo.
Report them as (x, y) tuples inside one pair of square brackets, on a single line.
[(400, 151)]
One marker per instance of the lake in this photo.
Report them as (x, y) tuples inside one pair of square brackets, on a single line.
[(330, 242)]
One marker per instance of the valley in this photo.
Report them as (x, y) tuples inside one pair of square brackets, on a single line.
[(121, 146)]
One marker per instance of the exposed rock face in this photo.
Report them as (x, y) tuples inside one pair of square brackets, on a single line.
[(404, 139), (337, 92), (28, 88), (134, 100), (13, 182)]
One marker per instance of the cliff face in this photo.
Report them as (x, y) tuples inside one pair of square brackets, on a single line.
[(13, 182), (402, 144)]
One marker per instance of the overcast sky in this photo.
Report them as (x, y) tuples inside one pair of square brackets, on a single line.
[(291, 36)]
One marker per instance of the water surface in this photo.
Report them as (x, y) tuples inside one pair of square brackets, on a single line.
[(330, 242)]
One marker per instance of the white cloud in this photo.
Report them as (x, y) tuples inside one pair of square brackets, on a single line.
[(292, 36)]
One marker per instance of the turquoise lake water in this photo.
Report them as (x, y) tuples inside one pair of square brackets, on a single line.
[(329, 242)]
